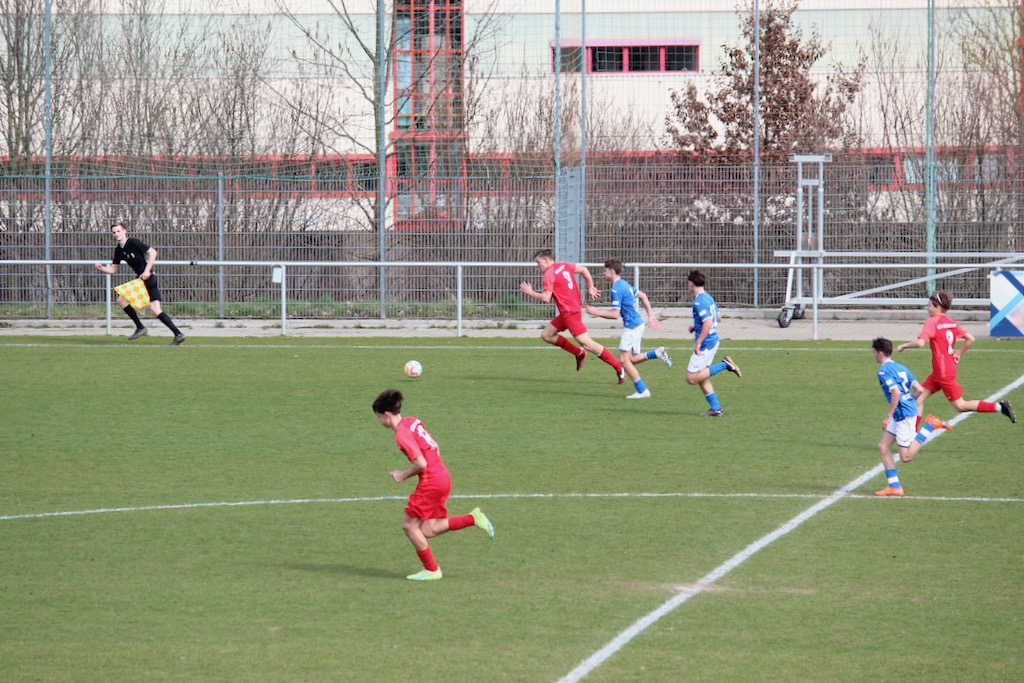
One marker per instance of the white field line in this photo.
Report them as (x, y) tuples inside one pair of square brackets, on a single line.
[(640, 625), (481, 496)]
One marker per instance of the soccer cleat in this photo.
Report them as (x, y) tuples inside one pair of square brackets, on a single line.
[(425, 575), (480, 520), (711, 413), (663, 356), (580, 357), (890, 491), (178, 338), (139, 332), (1007, 410), (731, 366), (936, 423), (621, 375), (646, 393)]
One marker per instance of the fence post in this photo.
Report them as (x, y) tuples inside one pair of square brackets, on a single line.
[(458, 300), (109, 283), (220, 241)]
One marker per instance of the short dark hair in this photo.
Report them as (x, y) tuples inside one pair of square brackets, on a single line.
[(698, 278), (119, 224), (883, 346), (389, 401), (942, 299), (546, 253), (615, 264)]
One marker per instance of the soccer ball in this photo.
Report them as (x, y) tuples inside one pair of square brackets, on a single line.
[(413, 368)]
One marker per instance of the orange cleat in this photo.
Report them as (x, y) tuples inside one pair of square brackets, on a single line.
[(890, 491), (936, 423)]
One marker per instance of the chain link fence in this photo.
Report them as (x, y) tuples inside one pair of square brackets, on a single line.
[(649, 208)]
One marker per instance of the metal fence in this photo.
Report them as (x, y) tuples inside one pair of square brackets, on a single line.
[(654, 209), (461, 290)]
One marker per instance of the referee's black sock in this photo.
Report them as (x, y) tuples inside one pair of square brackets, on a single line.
[(166, 320), (134, 315)]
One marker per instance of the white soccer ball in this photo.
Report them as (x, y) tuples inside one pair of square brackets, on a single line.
[(413, 368)]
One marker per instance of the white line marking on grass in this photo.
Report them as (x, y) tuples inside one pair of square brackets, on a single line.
[(480, 496), (640, 625)]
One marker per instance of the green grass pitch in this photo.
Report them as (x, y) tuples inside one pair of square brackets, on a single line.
[(239, 524)]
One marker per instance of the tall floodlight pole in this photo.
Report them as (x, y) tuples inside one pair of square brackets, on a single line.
[(583, 133), (930, 185), (558, 102), (382, 243), (48, 127), (757, 139)]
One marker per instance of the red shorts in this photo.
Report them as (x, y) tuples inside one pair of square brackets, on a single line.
[(948, 386), (429, 502), (570, 321)]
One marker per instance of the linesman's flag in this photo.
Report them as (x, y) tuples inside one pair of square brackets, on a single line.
[(134, 292)]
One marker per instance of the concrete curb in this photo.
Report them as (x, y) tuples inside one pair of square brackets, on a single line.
[(737, 324)]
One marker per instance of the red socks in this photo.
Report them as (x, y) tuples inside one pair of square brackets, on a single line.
[(460, 522), (611, 360), (563, 343), (427, 558), (987, 407)]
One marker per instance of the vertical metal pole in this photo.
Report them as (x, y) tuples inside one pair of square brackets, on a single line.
[(820, 242), (930, 185), (458, 304), (284, 300), (381, 69), (220, 241), (799, 227), (558, 110), (757, 142), (48, 179), (109, 287), (583, 133)]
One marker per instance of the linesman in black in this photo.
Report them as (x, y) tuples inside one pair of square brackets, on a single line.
[(141, 258)]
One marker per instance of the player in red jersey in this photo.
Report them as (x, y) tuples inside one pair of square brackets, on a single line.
[(942, 333), (560, 285), (426, 515)]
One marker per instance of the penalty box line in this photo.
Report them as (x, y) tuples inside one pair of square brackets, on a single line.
[(643, 623)]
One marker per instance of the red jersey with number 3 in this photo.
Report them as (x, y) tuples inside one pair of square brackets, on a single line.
[(560, 280), (942, 332)]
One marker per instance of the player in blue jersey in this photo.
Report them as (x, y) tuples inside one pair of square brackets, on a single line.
[(624, 298), (900, 388), (702, 366)]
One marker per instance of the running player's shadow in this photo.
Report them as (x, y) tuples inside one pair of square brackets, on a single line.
[(323, 568)]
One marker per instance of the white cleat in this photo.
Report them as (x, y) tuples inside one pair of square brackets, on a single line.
[(663, 356), (646, 393)]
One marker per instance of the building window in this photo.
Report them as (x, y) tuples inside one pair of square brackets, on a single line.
[(612, 58), (681, 58), (606, 59), (572, 59), (645, 59)]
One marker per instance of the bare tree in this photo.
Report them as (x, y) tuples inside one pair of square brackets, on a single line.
[(354, 60)]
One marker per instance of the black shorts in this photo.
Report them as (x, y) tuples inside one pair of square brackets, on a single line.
[(153, 288)]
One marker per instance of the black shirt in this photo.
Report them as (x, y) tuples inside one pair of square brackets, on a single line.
[(133, 253)]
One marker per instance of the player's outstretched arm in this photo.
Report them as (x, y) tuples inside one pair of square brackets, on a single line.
[(916, 344), (652, 320), (588, 279)]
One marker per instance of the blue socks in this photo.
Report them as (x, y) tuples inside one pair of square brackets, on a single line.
[(712, 400), (925, 432), (640, 386), (893, 478)]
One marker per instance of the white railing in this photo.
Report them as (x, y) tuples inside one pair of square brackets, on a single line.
[(814, 262)]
